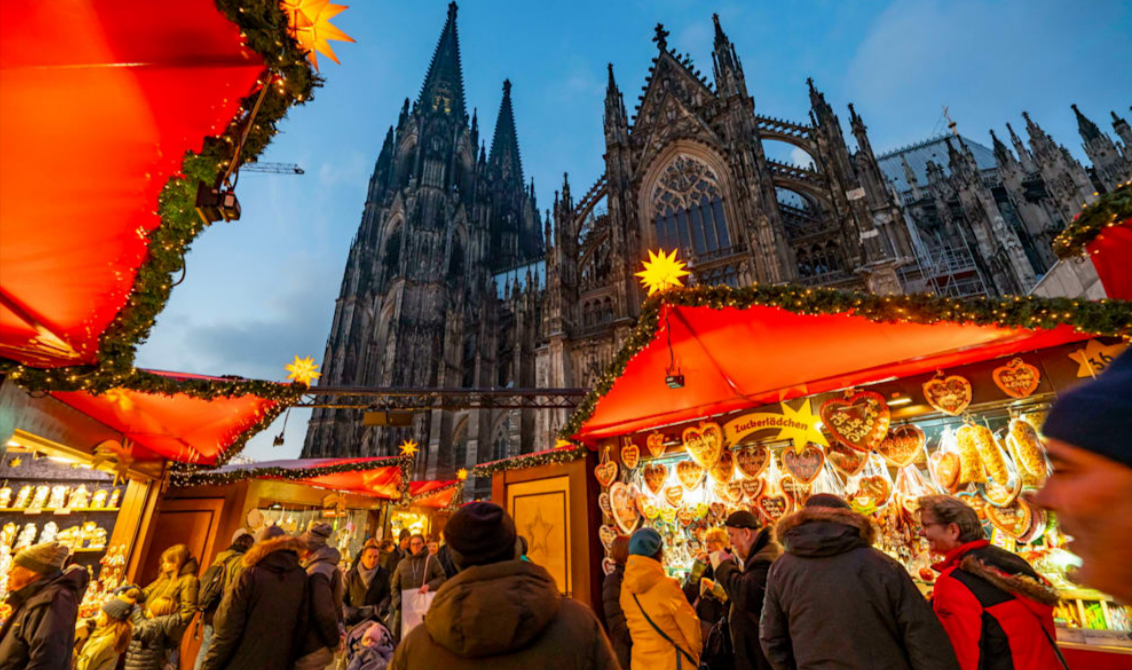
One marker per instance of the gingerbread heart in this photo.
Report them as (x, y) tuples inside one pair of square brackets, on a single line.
[(752, 488), (686, 516), (606, 473), (859, 422), (1015, 519), (902, 446), (847, 461), (797, 491), (734, 491), (1017, 379), (623, 500), (608, 565), (950, 395), (643, 501), (690, 474), (673, 495), (603, 503), (804, 465), (607, 535), (668, 514), (704, 443), (724, 468), (774, 507), (655, 476), (945, 469), (701, 510), (752, 460), (655, 444), (630, 456), (875, 489), (651, 512), (1001, 495), (718, 510)]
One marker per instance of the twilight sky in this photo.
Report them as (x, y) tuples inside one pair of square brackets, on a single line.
[(261, 290)]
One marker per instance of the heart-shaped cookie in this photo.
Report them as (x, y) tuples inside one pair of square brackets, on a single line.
[(949, 395), (945, 469), (1001, 495), (603, 503), (752, 460), (606, 473), (804, 465), (686, 516), (847, 461), (642, 502), (718, 510), (655, 475), (607, 535), (902, 446), (1017, 379), (690, 474), (668, 514), (701, 510), (1015, 519), (752, 488), (608, 565), (774, 507), (734, 491), (623, 501), (655, 443), (724, 468), (673, 495), (630, 456), (875, 489), (704, 443), (859, 422), (651, 512), (797, 491)]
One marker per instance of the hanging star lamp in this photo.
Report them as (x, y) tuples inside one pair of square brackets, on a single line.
[(409, 448), (462, 474), (662, 271), (303, 371), (310, 25)]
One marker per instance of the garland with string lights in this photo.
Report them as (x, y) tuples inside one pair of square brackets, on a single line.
[(558, 455), (1112, 209), (264, 26), (187, 475), (458, 486), (1100, 318)]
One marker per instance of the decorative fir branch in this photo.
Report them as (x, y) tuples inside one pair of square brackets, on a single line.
[(1112, 209)]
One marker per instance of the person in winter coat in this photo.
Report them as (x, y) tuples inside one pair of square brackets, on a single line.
[(419, 571), (260, 622), (325, 593), (996, 609), (228, 565), (154, 634), (111, 636), (746, 586), (664, 627), (445, 558), (615, 623), (833, 601), (367, 587), (178, 581), (499, 612), (39, 634), (708, 608), (1087, 438)]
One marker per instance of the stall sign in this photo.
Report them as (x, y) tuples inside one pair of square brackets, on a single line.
[(1094, 357), (798, 425)]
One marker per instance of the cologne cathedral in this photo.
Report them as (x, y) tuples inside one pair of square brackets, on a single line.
[(456, 280)]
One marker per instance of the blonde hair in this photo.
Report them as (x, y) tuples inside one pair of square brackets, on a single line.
[(162, 607), (178, 555), (123, 632), (717, 534)]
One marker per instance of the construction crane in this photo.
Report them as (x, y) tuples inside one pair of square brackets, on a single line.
[(272, 168)]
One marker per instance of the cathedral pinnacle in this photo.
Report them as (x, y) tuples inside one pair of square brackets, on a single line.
[(1089, 130), (504, 157), (661, 37), (443, 88)]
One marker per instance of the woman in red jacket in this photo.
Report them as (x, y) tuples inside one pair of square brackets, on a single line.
[(996, 609)]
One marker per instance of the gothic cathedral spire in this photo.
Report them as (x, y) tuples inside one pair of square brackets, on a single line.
[(443, 88), (504, 160)]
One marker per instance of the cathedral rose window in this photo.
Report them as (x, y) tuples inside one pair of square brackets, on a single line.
[(688, 202)]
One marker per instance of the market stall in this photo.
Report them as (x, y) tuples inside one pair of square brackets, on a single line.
[(1102, 233), (756, 398)]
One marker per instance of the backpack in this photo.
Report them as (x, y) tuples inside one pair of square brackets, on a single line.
[(718, 651), (212, 584)]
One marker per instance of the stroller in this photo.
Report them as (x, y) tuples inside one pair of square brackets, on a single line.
[(369, 646)]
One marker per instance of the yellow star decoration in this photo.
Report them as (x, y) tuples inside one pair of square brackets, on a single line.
[(302, 371), (119, 397), (409, 448), (539, 532), (309, 23), (804, 415), (15, 462), (462, 474), (561, 444), (1095, 357), (662, 272)]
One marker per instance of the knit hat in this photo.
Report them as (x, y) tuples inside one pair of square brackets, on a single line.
[(269, 533), (742, 519), (481, 533), (826, 500), (43, 558), (118, 607), (317, 535), (1097, 415), (241, 532), (645, 542)]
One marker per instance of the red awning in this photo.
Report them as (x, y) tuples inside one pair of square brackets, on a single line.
[(1111, 253), (101, 99), (440, 500), (179, 427), (377, 477), (735, 359)]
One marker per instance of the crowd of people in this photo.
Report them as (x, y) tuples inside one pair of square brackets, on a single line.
[(811, 592)]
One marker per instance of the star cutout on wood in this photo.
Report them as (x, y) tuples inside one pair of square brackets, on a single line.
[(539, 532)]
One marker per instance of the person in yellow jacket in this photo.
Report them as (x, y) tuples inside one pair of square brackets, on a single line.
[(663, 626)]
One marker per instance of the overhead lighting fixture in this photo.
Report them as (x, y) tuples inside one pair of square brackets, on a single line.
[(61, 459), (13, 443), (902, 400)]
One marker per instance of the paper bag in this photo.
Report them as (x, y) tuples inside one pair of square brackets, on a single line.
[(414, 605)]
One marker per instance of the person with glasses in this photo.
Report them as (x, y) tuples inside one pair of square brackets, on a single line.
[(419, 571)]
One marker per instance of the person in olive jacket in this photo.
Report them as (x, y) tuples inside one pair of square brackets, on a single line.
[(746, 586), (499, 612), (611, 602), (367, 587), (39, 634), (845, 603), (260, 622)]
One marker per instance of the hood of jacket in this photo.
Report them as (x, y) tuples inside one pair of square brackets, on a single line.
[(191, 567), (74, 579), (261, 551), (824, 531), (642, 574), (323, 560), (1032, 590), (770, 551), (486, 610)]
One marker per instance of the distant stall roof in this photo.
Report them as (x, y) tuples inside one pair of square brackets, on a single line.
[(376, 477)]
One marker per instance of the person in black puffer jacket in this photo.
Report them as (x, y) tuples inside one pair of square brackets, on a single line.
[(154, 635), (615, 624), (367, 587)]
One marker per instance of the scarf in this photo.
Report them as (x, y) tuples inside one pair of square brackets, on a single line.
[(367, 575)]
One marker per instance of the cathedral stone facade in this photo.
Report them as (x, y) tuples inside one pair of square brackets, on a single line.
[(455, 280)]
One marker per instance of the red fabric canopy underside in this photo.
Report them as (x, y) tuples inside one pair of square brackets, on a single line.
[(101, 99), (438, 500), (179, 427), (735, 359), (1111, 254), (376, 477)]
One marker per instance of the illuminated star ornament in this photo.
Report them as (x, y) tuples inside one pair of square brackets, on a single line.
[(119, 397), (303, 371), (662, 272), (462, 474), (409, 448), (562, 444), (309, 24)]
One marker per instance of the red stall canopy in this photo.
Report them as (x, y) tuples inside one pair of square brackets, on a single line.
[(180, 427), (101, 99), (439, 500), (1111, 254), (736, 358), (377, 477)]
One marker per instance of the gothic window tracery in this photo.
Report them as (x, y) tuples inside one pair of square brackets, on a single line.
[(688, 201), (596, 267)]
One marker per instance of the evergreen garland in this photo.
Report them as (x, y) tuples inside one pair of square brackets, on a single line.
[(187, 475), (558, 455), (1112, 209)]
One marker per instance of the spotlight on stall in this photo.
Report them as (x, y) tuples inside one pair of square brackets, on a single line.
[(214, 204), (675, 380)]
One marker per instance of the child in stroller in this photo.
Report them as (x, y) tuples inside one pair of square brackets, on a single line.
[(369, 646)]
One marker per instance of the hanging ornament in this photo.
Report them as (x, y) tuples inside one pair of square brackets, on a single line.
[(308, 21), (750, 488), (606, 472), (848, 461), (805, 465), (949, 395), (1015, 519), (117, 457), (704, 443), (655, 475), (752, 460), (462, 475), (607, 534), (772, 502), (944, 465), (1017, 379), (662, 272), (859, 421), (902, 445), (673, 495), (409, 448), (655, 444), (724, 468), (623, 503), (630, 456), (798, 491), (121, 398), (690, 474), (603, 503), (303, 371)]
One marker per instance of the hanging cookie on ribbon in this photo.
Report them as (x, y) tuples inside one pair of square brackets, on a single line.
[(606, 472), (949, 395), (1017, 378)]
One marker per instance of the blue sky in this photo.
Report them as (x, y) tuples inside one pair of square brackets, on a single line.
[(262, 290)]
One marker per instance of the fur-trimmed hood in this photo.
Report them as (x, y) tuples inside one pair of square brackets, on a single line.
[(1017, 584), (824, 531), (262, 550)]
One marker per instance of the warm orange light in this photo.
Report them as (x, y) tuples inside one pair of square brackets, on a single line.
[(310, 25), (662, 272), (462, 474), (303, 371), (409, 448)]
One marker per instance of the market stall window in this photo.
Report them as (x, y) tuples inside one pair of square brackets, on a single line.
[(350, 525), (414, 522)]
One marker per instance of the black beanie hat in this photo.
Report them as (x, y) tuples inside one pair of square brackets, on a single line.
[(826, 500), (481, 533), (1097, 415)]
